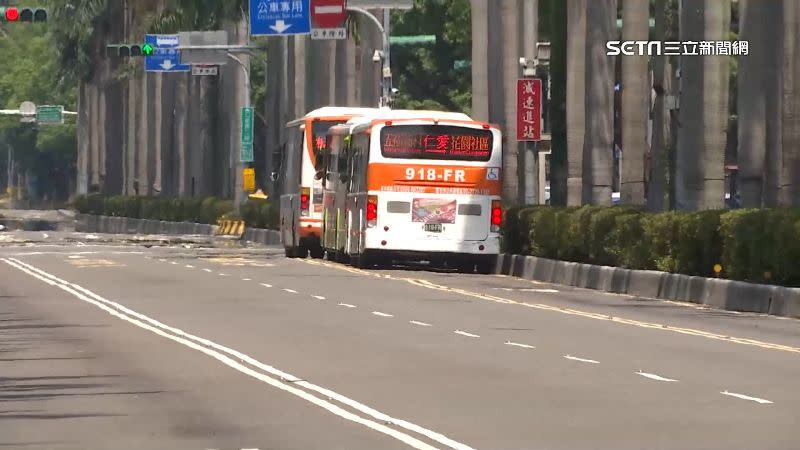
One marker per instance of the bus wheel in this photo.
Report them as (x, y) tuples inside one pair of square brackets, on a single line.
[(317, 252), (361, 261), (289, 252)]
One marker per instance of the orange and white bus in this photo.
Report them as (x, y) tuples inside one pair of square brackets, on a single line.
[(301, 198), (413, 185)]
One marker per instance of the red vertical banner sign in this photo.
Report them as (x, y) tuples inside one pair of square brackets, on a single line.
[(529, 109)]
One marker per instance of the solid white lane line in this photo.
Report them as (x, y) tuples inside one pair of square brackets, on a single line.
[(188, 266), (180, 336), (291, 291), (653, 376), (208, 270), (266, 285), (575, 358), (318, 297), (538, 290), (515, 344), (422, 324), (378, 313), (347, 305), (746, 397), (464, 333)]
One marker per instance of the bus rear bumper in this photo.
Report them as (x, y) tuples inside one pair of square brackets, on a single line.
[(419, 248)]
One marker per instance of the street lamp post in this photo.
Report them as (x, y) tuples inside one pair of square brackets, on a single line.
[(381, 56), (239, 195)]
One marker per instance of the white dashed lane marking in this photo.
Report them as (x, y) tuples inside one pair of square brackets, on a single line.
[(163, 260), (246, 279), (575, 358), (653, 376), (746, 397), (174, 263), (318, 297), (189, 266), (223, 274), (291, 291), (422, 324), (208, 270), (266, 285), (464, 333), (378, 313), (515, 344), (347, 305)]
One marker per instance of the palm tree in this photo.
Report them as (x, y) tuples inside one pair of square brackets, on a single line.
[(635, 15), (576, 100), (716, 78), (773, 88), (601, 21)]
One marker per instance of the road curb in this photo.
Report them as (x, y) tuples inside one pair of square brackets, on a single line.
[(716, 293), (88, 223)]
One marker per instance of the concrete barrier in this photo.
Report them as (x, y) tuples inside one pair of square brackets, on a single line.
[(644, 283), (748, 297), (785, 302)]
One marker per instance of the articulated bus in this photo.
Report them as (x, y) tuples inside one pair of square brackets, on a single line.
[(301, 199), (413, 186)]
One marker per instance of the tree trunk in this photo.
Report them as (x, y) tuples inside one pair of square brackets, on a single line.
[(690, 152), (656, 183), (181, 119), (509, 19), (752, 103), (790, 123), (480, 54), (773, 88), (84, 143), (716, 80), (144, 163), (156, 124), (576, 99), (601, 20), (558, 104), (635, 92)]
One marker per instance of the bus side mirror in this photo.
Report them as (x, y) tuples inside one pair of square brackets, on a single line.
[(319, 175)]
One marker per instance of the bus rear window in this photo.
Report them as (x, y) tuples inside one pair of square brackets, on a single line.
[(443, 142), (319, 132)]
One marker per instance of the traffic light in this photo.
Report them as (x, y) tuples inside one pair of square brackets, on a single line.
[(129, 51), (21, 14)]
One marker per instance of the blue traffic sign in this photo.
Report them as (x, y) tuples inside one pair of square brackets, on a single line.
[(279, 17), (166, 57)]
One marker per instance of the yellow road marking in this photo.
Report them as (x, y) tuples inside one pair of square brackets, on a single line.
[(569, 311)]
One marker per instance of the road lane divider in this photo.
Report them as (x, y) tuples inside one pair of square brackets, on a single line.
[(746, 397), (573, 312), (575, 358), (464, 333), (516, 344), (653, 376), (422, 324), (347, 305), (380, 314), (226, 356)]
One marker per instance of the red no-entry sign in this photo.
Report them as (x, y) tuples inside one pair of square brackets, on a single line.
[(328, 13)]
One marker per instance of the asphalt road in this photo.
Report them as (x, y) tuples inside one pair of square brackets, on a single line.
[(184, 343)]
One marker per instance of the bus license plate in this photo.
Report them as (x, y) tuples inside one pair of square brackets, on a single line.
[(433, 227)]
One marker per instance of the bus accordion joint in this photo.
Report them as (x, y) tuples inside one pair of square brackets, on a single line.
[(305, 194), (497, 216), (372, 211)]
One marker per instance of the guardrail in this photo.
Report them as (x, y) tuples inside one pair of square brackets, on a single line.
[(230, 228)]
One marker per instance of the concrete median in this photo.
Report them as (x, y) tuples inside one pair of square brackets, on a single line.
[(716, 293)]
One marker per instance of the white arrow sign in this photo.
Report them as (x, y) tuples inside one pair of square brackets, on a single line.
[(167, 64), (280, 26)]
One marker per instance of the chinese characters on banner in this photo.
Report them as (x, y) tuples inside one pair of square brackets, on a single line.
[(529, 109)]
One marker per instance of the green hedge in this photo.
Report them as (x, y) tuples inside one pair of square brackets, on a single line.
[(759, 245), (255, 213)]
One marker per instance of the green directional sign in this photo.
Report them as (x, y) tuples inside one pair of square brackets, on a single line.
[(48, 114), (247, 124), (247, 152)]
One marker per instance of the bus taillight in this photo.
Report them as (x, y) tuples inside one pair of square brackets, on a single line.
[(497, 216), (372, 211), (305, 197)]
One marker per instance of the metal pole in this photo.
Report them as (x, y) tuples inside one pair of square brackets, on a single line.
[(386, 73), (239, 190)]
